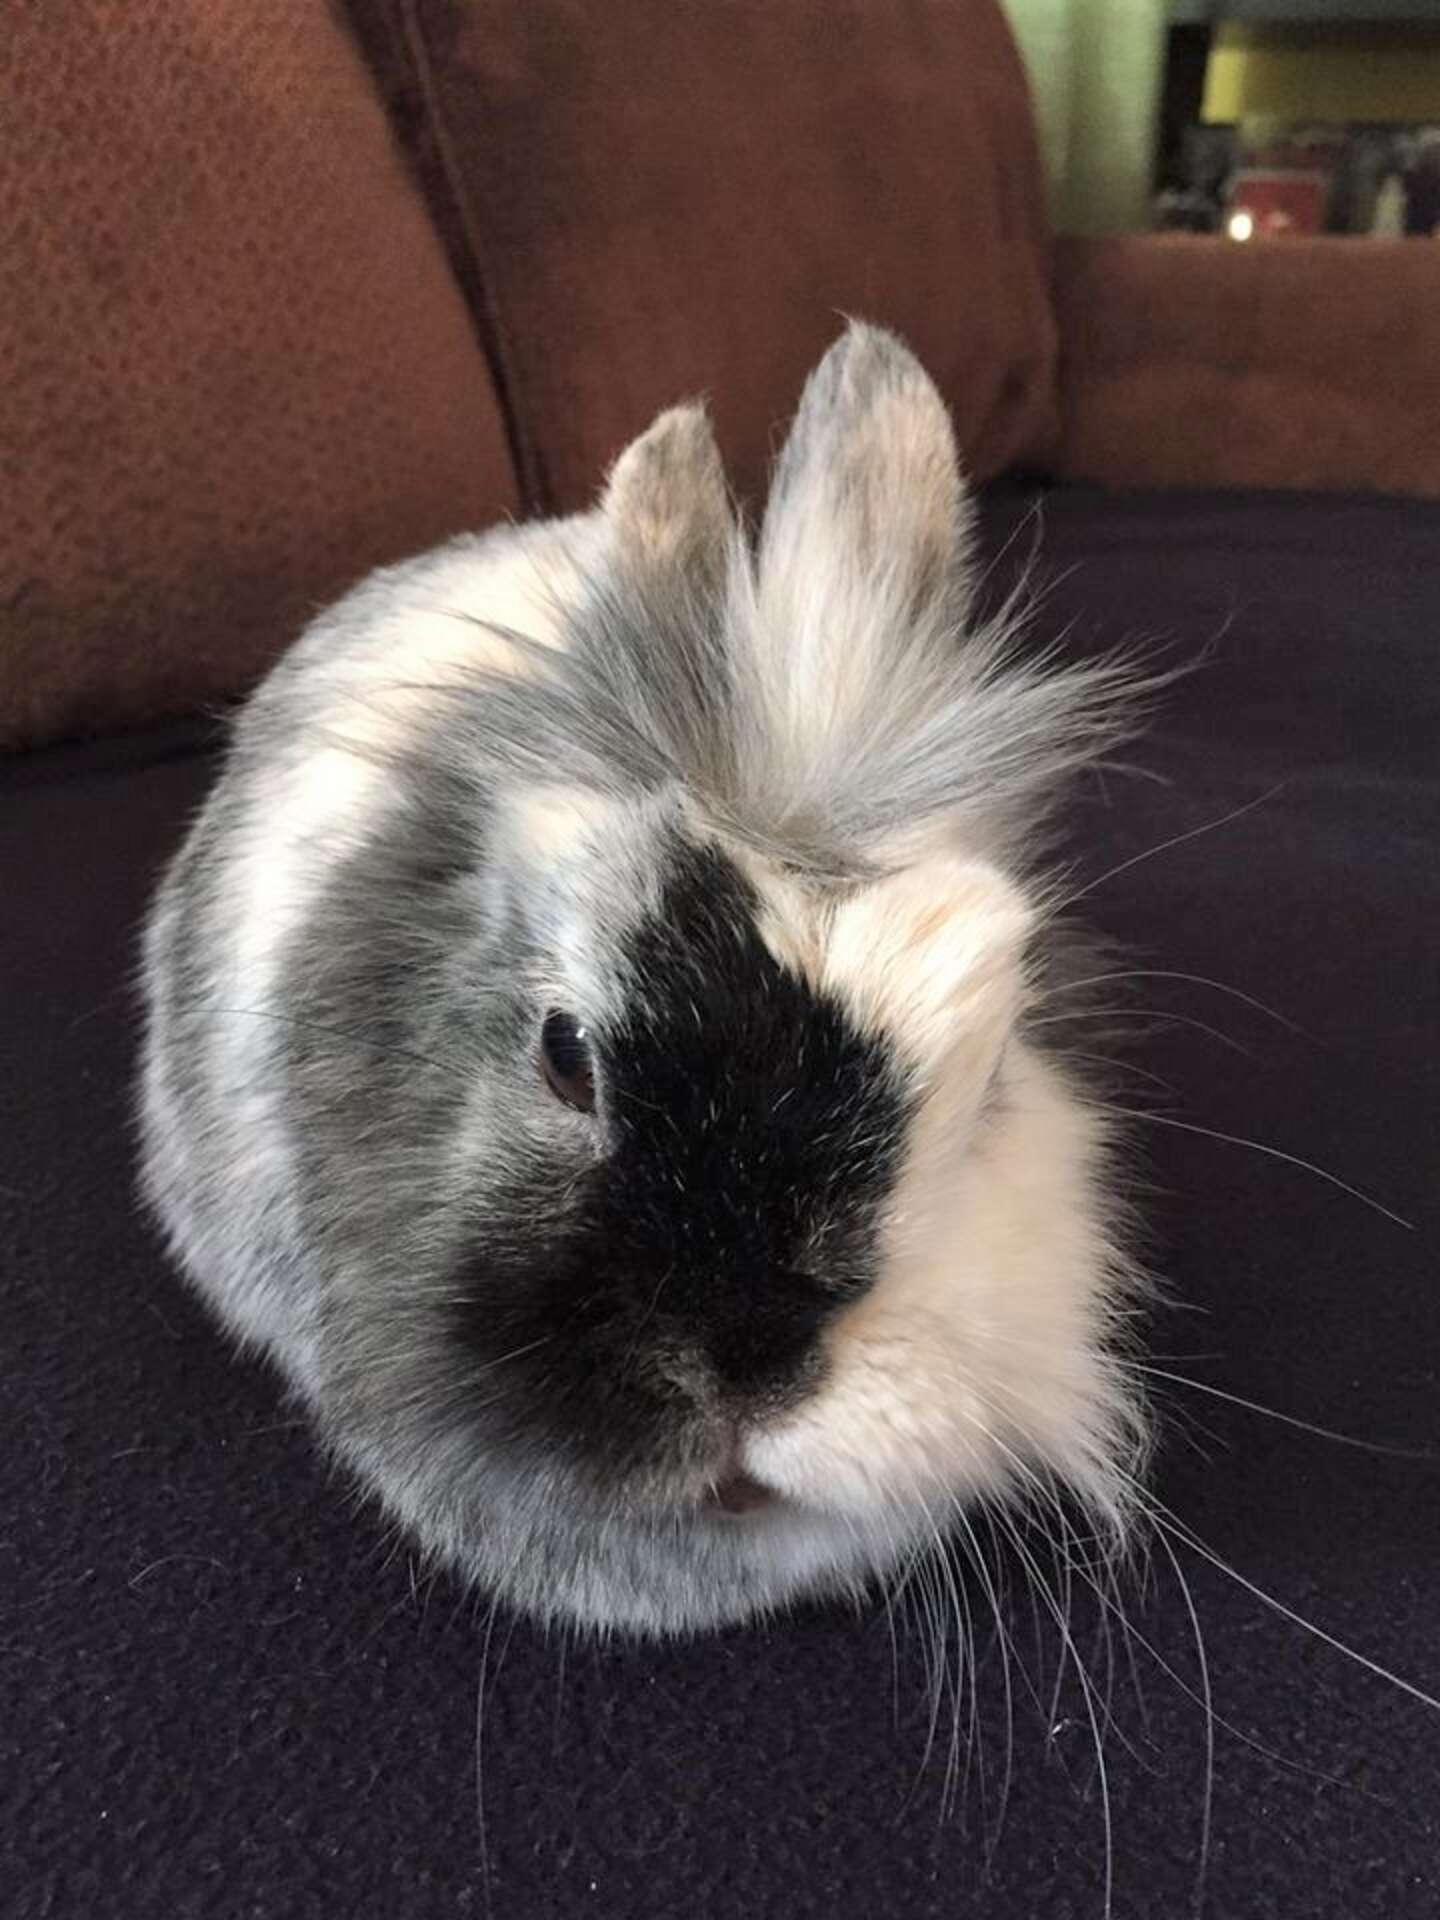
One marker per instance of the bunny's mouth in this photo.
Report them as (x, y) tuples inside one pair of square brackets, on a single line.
[(738, 1494)]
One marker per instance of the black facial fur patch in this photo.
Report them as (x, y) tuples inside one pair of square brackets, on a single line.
[(752, 1134)]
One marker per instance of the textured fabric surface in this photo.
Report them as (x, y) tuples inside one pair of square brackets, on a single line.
[(222, 1694), (656, 200), (1198, 363), (234, 367)]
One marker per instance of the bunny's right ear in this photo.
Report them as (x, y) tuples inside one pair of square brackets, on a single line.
[(869, 520), (856, 647)]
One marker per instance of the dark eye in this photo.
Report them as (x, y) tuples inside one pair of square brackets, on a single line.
[(566, 1063)]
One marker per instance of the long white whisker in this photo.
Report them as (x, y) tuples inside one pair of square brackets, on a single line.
[(1125, 1066), (1087, 1694), (1205, 1700), (1140, 1013), (988, 1585), (964, 1678), (1163, 1517), (1072, 1564), (932, 1646), (1194, 980), (1163, 1520), (1176, 840), (1273, 1153), (479, 1757), (890, 1594), (1207, 1805), (1286, 1419), (1133, 1633)]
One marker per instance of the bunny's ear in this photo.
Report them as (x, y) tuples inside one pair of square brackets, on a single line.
[(855, 650), (666, 498), (867, 503)]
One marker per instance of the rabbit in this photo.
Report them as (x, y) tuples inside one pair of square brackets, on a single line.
[(589, 1042)]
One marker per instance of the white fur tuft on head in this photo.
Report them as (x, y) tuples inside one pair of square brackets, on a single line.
[(830, 694)]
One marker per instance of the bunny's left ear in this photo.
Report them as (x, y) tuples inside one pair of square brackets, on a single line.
[(666, 498)]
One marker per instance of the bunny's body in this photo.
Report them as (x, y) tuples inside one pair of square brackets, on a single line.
[(588, 1040)]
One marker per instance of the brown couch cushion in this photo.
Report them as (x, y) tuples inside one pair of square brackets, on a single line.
[(1291, 363), (234, 368), (674, 196)]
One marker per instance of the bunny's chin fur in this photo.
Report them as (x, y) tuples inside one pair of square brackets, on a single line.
[(837, 1245)]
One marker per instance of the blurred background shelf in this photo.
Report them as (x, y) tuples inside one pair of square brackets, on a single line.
[(1132, 97), (1303, 12)]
